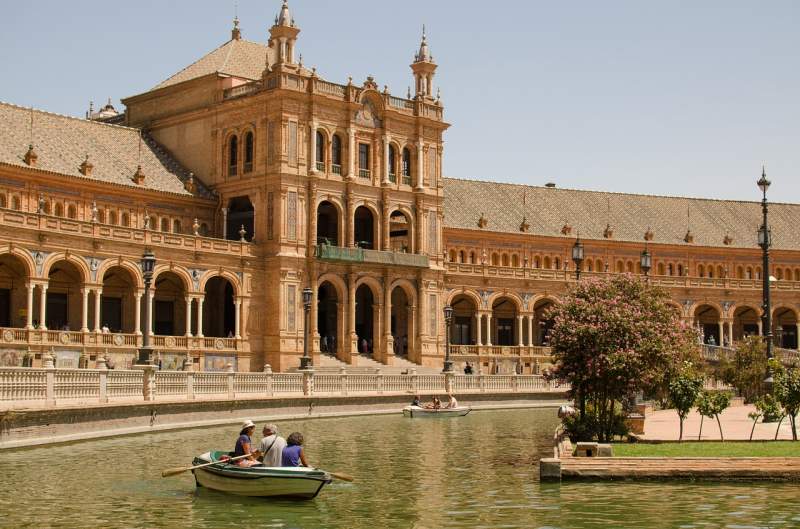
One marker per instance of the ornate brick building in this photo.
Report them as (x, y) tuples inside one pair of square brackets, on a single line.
[(251, 178)]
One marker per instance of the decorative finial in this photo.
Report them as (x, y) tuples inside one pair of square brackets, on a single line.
[(189, 185), (146, 220), (242, 233), (138, 176), (31, 157), (196, 227), (40, 207), (236, 33), (408, 93), (86, 167), (94, 211)]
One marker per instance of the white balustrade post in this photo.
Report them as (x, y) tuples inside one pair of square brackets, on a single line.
[(43, 307), (149, 300), (519, 330), (270, 385), (29, 309), (343, 378), (231, 375), (308, 382), (489, 329), (50, 379), (414, 381), (482, 382), (188, 317), (378, 380), (98, 301), (238, 318), (84, 310), (530, 330), (449, 382), (190, 385), (103, 383), (149, 383), (515, 383)]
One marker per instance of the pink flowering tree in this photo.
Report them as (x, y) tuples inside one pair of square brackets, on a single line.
[(613, 338)]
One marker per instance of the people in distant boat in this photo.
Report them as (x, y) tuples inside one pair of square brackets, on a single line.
[(452, 402), (294, 455), (416, 402), (270, 451), (244, 445), (435, 404)]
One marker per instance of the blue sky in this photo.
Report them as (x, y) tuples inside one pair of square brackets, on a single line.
[(678, 98)]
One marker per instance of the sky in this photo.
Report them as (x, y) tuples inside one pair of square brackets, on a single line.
[(680, 97)]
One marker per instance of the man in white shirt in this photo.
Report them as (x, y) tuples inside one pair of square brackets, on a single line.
[(453, 403), (271, 447)]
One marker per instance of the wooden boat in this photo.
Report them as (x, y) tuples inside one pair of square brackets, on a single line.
[(261, 481), (417, 411)]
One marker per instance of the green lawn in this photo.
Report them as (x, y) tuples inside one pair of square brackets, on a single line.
[(709, 449)]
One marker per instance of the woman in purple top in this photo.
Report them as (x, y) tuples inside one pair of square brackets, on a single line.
[(244, 446), (293, 454)]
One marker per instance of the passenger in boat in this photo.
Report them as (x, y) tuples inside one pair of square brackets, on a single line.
[(435, 404), (294, 455), (416, 402), (270, 451), (244, 446), (452, 403)]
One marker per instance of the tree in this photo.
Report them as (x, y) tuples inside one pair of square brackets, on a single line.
[(684, 389), (711, 404), (616, 337), (766, 407), (747, 369), (786, 389)]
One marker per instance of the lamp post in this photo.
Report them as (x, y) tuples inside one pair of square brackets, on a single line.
[(577, 257), (305, 361), (646, 263), (765, 241), (148, 266), (448, 319)]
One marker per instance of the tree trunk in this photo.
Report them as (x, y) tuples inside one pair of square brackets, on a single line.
[(778, 429), (794, 427), (719, 423), (680, 436), (753, 429), (699, 435)]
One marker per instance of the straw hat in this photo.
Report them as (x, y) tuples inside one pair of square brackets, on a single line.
[(248, 424)]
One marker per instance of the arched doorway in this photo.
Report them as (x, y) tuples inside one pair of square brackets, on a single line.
[(118, 301), (745, 322), (504, 319), (707, 320), (784, 321), (463, 331), (64, 300), (401, 322), (542, 322), (328, 318), (365, 320), (364, 228), (13, 292), (240, 213), (400, 232), (219, 309), (327, 224), (169, 305)]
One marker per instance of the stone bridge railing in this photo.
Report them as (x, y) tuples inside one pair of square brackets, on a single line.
[(48, 387)]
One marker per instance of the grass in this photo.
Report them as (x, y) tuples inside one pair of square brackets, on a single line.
[(709, 449)]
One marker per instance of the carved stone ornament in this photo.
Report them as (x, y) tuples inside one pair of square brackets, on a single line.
[(728, 240), (118, 340), (524, 226), (648, 235), (367, 116), (8, 335), (483, 221), (689, 237), (169, 341), (608, 233), (219, 343), (63, 338), (566, 229)]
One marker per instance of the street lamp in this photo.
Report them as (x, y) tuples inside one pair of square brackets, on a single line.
[(765, 241), (577, 257), (646, 262), (305, 361), (148, 266), (448, 319)]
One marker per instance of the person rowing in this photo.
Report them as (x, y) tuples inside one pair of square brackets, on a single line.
[(434, 405), (244, 446)]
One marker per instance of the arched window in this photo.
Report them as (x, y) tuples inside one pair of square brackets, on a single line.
[(505, 259), (452, 256), (233, 155), (462, 256), (749, 273), (598, 265), (126, 220), (59, 209), (537, 263), (320, 151), (711, 271), (101, 216), (72, 211), (15, 202), (556, 264), (797, 274), (112, 217), (701, 271), (336, 154), (620, 267), (164, 224), (3, 200), (661, 269), (472, 259), (495, 259), (629, 266), (176, 226), (406, 167), (680, 270), (392, 164), (589, 266), (670, 269), (779, 273), (248, 152), (739, 272), (515, 261), (546, 263)]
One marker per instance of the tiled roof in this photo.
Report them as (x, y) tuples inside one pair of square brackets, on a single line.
[(239, 58), (548, 210), (62, 143)]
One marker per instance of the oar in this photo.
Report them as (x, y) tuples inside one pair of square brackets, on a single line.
[(175, 471), (343, 477)]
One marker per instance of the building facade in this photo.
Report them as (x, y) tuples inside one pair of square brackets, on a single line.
[(252, 178)]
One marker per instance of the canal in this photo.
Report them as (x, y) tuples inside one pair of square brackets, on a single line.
[(477, 471)]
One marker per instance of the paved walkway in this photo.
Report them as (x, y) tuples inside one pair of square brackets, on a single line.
[(664, 425)]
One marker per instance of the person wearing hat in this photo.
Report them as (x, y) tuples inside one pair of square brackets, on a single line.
[(244, 445), (271, 447)]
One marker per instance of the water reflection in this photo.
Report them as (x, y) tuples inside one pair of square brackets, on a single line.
[(477, 471)]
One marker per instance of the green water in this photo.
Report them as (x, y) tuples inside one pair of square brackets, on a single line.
[(476, 471)]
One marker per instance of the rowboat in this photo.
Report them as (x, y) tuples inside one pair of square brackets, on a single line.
[(289, 482), (417, 411)]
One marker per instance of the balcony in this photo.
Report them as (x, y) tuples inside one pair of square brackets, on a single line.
[(359, 255), (364, 173), (321, 166), (336, 169)]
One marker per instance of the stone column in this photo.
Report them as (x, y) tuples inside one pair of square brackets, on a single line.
[(313, 329), (137, 313), (98, 301), (43, 307), (419, 238), (530, 330), (760, 327), (200, 301), (352, 172), (489, 328), (730, 332), (386, 234), (311, 235), (478, 323), (29, 305), (85, 310), (386, 168), (519, 330), (721, 333), (188, 332), (224, 223), (388, 350), (350, 222), (238, 318), (420, 165), (351, 314), (149, 301), (313, 154)]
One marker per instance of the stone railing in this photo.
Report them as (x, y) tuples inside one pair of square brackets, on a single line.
[(664, 281), (57, 225), (241, 90), (359, 255), (27, 387)]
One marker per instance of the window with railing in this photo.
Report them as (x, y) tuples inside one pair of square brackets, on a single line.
[(363, 160), (320, 151), (392, 162), (406, 167), (336, 155), (233, 155)]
